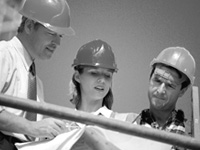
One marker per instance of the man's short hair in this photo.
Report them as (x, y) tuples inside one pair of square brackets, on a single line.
[(24, 19)]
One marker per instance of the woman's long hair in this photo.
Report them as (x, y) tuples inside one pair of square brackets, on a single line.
[(75, 92)]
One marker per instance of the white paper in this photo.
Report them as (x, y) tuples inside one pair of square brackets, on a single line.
[(122, 141), (130, 142), (62, 142)]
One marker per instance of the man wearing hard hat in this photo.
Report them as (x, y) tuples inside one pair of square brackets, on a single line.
[(173, 71), (43, 24)]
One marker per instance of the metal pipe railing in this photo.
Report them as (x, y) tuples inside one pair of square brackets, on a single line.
[(112, 124)]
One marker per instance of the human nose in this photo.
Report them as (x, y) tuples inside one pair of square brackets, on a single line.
[(57, 40), (161, 89), (101, 79)]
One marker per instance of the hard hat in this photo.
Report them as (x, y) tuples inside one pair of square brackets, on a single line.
[(53, 14), (179, 58), (96, 53)]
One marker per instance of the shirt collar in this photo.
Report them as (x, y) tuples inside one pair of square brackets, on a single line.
[(104, 111)]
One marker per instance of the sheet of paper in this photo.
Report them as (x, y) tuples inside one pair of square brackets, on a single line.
[(62, 142), (129, 142), (122, 141)]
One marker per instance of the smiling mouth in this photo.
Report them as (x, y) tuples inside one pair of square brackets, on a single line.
[(99, 88), (50, 49)]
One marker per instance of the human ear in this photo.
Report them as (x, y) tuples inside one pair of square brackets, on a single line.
[(183, 91), (77, 76), (29, 25)]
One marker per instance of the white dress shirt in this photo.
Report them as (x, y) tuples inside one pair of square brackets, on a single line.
[(14, 68)]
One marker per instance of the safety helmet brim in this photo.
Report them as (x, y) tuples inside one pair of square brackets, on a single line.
[(54, 15), (178, 58), (63, 31), (96, 53)]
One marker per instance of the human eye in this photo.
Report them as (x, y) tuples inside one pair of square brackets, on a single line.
[(157, 80), (108, 75), (50, 33), (60, 35), (171, 86), (54, 34), (93, 73)]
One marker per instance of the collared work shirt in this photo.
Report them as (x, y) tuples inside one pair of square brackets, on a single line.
[(14, 68), (174, 124)]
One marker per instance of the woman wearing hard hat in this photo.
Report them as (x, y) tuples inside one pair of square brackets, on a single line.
[(91, 85)]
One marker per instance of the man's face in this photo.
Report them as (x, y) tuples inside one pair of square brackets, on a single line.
[(164, 88), (43, 42)]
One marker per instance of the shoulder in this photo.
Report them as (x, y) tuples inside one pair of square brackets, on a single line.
[(5, 46), (128, 117), (131, 117), (7, 52), (7, 58)]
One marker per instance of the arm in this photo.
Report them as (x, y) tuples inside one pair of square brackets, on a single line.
[(12, 123), (48, 127), (97, 141)]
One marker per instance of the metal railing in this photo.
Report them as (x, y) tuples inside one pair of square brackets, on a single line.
[(195, 112), (112, 124)]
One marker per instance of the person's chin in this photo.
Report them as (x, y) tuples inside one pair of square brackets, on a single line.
[(158, 104), (47, 55), (100, 96)]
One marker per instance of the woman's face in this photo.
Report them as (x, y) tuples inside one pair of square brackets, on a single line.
[(95, 82)]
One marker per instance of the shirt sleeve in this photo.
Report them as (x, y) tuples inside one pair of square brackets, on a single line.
[(4, 71), (128, 117)]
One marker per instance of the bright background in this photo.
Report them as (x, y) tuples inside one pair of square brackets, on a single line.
[(137, 30)]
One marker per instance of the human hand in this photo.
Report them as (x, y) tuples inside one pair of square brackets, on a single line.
[(47, 128), (71, 126)]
